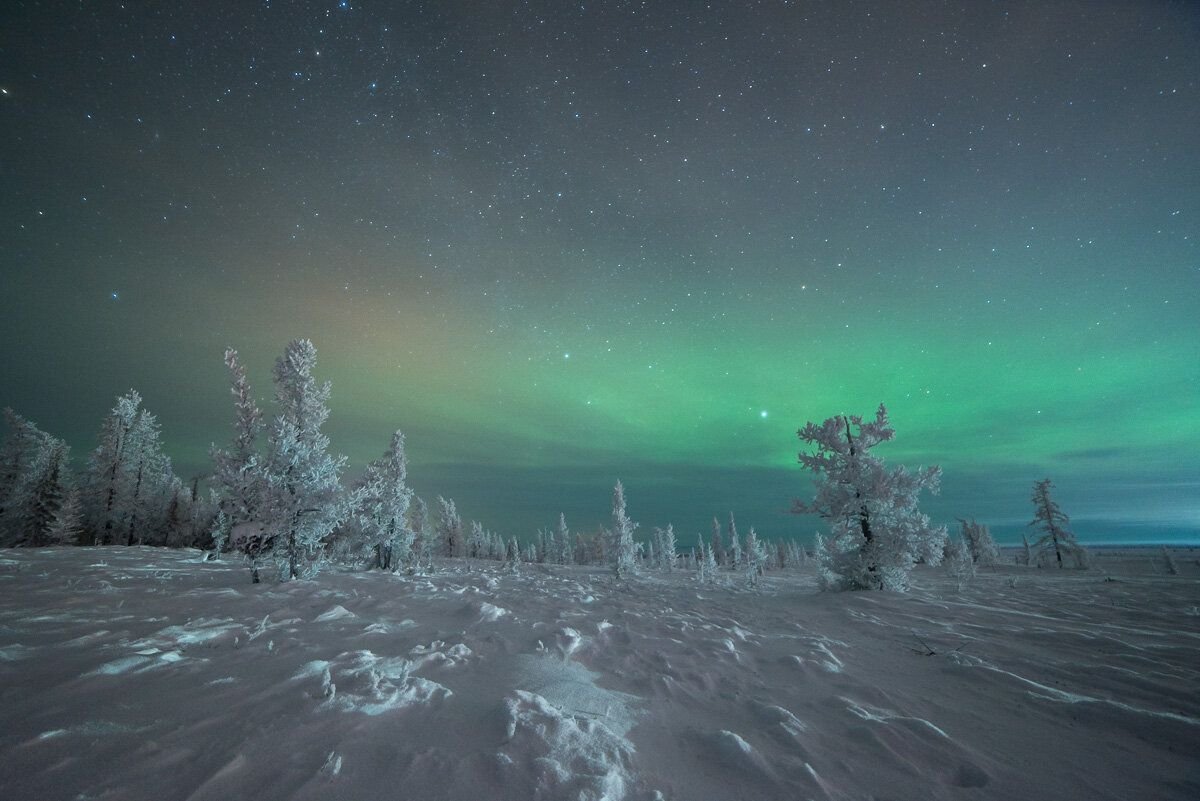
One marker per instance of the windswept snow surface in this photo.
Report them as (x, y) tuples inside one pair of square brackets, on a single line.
[(135, 673)]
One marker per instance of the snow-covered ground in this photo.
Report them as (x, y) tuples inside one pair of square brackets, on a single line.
[(137, 673)]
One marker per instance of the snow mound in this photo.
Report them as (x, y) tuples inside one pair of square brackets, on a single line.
[(360, 681), (336, 613), (572, 757)]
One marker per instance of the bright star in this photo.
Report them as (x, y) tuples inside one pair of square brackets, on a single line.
[(116, 296), (763, 413)]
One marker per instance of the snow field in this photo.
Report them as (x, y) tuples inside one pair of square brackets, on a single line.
[(137, 673)]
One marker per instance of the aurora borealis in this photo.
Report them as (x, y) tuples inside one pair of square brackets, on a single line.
[(560, 244)]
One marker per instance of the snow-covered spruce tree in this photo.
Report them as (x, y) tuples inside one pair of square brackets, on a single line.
[(718, 550), (876, 533), (449, 528), (562, 536), (960, 566), (239, 479), (666, 547), (701, 563), (623, 550), (1027, 552), (37, 502), (735, 546), (67, 527), (106, 485), (23, 441), (425, 538), (1057, 538), (476, 541), (380, 519), (979, 542), (150, 481), (754, 558), (304, 500)]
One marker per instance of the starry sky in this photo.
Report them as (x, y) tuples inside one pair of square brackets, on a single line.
[(562, 243)]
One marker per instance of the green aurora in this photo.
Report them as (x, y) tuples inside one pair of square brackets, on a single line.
[(999, 243)]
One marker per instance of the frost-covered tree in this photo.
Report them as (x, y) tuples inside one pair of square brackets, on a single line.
[(37, 502), (735, 545), (562, 537), (754, 558), (876, 532), (23, 441), (958, 560), (718, 550), (623, 551), (304, 498), (67, 527), (449, 528), (425, 542), (239, 477), (665, 539), (380, 519), (1027, 551), (149, 484), (701, 562), (476, 541), (1057, 538), (106, 487), (979, 542)]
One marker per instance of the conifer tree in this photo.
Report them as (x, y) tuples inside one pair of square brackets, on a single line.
[(149, 482), (449, 528), (1027, 552), (1053, 521), (735, 545), (382, 501), (876, 531), (68, 522), (23, 442), (979, 542), (562, 536), (425, 538), (665, 537), (239, 475), (623, 553), (754, 558), (107, 486), (38, 501), (718, 550), (305, 501)]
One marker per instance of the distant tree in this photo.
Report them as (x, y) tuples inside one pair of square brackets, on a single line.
[(476, 541), (701, 562), (1057, 538), (665, 537), (562, 537), (715, 545), (623, 552), (1169, 562), (754, 558), (979, 542), (305, 501), (735, 545), (425, 542), (382, 498), (876, 532), (449, 528), (1027, 552), (959, 563)]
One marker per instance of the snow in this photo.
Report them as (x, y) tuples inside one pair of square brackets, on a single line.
[(138, 673)]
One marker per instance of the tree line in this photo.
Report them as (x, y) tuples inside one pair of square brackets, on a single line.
[(277, 497)]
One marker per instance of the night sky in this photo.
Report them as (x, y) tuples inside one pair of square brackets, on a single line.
[(559, 244)]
